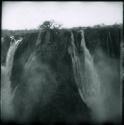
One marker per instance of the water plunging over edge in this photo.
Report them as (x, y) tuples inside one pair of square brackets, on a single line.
[(7, 109), (86, 77)]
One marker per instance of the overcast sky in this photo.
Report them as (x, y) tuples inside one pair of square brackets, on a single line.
[(28, 15)]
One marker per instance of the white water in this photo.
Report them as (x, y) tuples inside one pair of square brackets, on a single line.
[(7, 109), (39, 38), (87, 79), (10, 57)]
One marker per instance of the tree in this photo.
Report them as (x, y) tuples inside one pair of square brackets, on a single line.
[(50, 25)]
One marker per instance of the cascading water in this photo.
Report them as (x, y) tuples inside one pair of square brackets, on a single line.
[(39, 38), (7, 110), (108, 45), (86, 77), (10, 56)]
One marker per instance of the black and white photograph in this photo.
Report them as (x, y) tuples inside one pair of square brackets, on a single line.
[(62, 62)]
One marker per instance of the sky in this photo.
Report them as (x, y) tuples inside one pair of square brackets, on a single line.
[(29, 15)]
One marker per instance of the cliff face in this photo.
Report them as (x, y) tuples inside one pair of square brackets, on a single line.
[(43, 58), (107, 38)]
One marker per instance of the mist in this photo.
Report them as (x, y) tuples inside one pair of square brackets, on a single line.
[(44, 79), (108, 70)]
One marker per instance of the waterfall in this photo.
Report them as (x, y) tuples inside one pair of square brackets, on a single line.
[(86, 77), (39, 38), (109, 45), (7, 111), (10, 56)]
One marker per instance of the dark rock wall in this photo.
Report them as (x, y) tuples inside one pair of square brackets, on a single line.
[(107, 38)]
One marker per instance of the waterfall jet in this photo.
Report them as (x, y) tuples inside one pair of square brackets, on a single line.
[(10, 55), (7, 109), (86, 77)]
